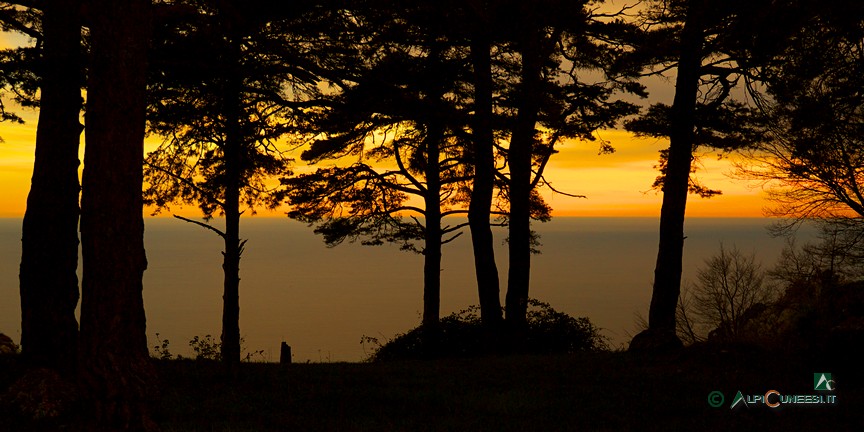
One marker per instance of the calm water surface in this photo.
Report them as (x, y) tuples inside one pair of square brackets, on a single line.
[(322, 300)]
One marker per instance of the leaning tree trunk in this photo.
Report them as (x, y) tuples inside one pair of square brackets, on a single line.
[(667, 273), (521, 148), (115, 367), (479, 208), (49, 259)]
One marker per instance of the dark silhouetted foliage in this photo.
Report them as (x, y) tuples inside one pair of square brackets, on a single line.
[(398, 132), (811, 96), (461, 334), (822, 304), (227, 84), (705, 41), (205, 348)]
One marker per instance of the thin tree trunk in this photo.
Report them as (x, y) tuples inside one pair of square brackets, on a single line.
[(521, 148), (667, 274), (432, 247), (432, 202), (49, 259), (432, 250), (231, 294), (479, 208), (231, 257), (115, 365)]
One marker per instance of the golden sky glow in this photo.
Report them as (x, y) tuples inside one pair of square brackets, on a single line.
[(16, 163), (616, 184), (619, 184)]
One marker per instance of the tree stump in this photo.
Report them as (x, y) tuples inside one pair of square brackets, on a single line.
[(285, 354)]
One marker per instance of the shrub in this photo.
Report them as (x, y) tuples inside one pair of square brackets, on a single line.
[(550, 331), (461, 334), (161, 350), (205, 348)]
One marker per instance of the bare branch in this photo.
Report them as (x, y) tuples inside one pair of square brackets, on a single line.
[(203, 225), (549, 185), (443, 242), (448, 229), (453, 212)]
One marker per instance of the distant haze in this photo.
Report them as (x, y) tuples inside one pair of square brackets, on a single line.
[(321, 301)]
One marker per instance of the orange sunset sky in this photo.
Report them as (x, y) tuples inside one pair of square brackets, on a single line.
[(615, 184)]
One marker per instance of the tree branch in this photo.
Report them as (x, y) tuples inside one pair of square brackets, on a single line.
[(547, 184), (404, 171), (12, 22), (382, 178), (443, 242), (453, 212), (406, 208), (203, 225), (448, 229), (187, 182)]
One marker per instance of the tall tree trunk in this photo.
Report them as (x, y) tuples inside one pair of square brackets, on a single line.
[(432, 203), (115, 367), (667, 273), (231, 294), (233, 167), (49, 259), (521, 148), (479, 209), (432, 249)]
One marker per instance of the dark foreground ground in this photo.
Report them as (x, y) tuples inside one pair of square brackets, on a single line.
[(594, 392), (607, 391)]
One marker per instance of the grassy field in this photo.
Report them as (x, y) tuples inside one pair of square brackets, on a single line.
[(603, 391)]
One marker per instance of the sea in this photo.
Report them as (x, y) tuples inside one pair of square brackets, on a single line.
[(322, 301)]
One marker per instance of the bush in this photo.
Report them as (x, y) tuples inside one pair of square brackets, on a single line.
[(821, 308), (461, 334), (730, 302), (205, 348)]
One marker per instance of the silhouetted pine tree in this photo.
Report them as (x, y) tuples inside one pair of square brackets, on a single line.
[(228, 83), (567, 64), (706, 41), (425, 71), (400, 116), (479, 17)]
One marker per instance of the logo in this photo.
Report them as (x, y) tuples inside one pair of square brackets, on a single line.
[(822, 381), (738, 399), (776, 399), (715, 399)]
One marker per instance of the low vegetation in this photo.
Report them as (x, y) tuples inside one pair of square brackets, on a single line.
[(206, 348), (812, 300), (585, 391), (462, 334)]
